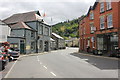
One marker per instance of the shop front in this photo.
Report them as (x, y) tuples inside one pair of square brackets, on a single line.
[(107, 43)]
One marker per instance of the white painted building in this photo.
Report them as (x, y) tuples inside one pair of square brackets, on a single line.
[(4, 32)]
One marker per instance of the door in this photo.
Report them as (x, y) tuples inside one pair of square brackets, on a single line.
[(46, 46), (22, 46)]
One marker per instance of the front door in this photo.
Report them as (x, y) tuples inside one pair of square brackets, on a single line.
[(22, 46), (46, 46)]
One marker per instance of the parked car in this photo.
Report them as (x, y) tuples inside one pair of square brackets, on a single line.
[(3, 60), (13, 54)]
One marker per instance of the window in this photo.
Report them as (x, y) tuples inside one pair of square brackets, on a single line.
[(46, 31), (100, 43), (102, 7), (32, 34), (109, 21), (40, 29), (41, 45), (91, 16), (92, 27), (32, 46), (109, 5), (102, 22), (84, 30)]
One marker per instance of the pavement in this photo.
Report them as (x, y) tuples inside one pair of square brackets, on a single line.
[(63, 64)]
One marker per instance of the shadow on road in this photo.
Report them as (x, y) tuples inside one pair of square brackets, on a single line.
[(101, 63)]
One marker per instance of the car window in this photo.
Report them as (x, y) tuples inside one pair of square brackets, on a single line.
[(9, 50), (0, 51)]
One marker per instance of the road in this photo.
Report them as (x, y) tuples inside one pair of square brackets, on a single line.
[(63, 64)]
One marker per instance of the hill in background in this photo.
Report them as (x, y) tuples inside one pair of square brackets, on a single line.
[(67, 29)]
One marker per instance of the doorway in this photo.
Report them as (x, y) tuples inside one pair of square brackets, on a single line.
[(46, 46)]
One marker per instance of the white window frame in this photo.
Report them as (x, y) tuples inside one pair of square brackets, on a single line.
[(92, 27), (109, 6), (91, 16), (102, 7), (110, 21), (46, 31), (84, 30), (102, 22), (40, 29)]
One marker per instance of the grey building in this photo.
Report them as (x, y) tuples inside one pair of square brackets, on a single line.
[(59, 41), (32, 31), (23, 38), (53, 44)]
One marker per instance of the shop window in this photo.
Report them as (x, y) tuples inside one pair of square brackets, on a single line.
[(14, 45), (100, 43), (114, 38)]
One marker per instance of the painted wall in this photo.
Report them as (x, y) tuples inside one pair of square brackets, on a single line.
[(4, 32), (18, 32)]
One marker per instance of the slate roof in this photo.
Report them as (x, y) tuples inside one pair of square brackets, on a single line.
[(56, 35), (20, 25), (24, 17), (52, 39), (92, 7)]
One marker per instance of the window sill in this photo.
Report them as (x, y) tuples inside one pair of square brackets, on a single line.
[(102, 12), (102, 29), (91, 19), (92, 33), (109, 9), (110, 28)]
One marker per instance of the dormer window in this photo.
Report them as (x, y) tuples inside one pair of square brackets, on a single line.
[(91, 16), (109, 6), (102, 7)]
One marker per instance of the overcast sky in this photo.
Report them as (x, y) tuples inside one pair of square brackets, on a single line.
[(58, 10)]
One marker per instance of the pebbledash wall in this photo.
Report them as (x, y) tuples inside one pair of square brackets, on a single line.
[(100, 28)]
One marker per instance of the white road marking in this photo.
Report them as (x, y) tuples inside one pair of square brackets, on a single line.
[(85, 59), (11, 69), (53, 73), (53, 51), (45, 67), (40, 63), (38, 59)]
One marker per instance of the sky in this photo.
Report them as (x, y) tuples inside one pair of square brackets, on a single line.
[(55, 10)]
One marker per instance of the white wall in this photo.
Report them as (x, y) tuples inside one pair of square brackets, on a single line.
[(4, 32)]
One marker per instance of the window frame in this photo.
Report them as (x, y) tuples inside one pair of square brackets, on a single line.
[(91, 16), (102, 7), (92, 28), (102, 21), (109, 5), (109, 19)]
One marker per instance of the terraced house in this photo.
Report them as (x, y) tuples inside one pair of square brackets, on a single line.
[(29, 32), (100, 28)]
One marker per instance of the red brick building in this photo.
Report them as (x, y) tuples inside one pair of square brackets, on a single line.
[(99, 29)]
